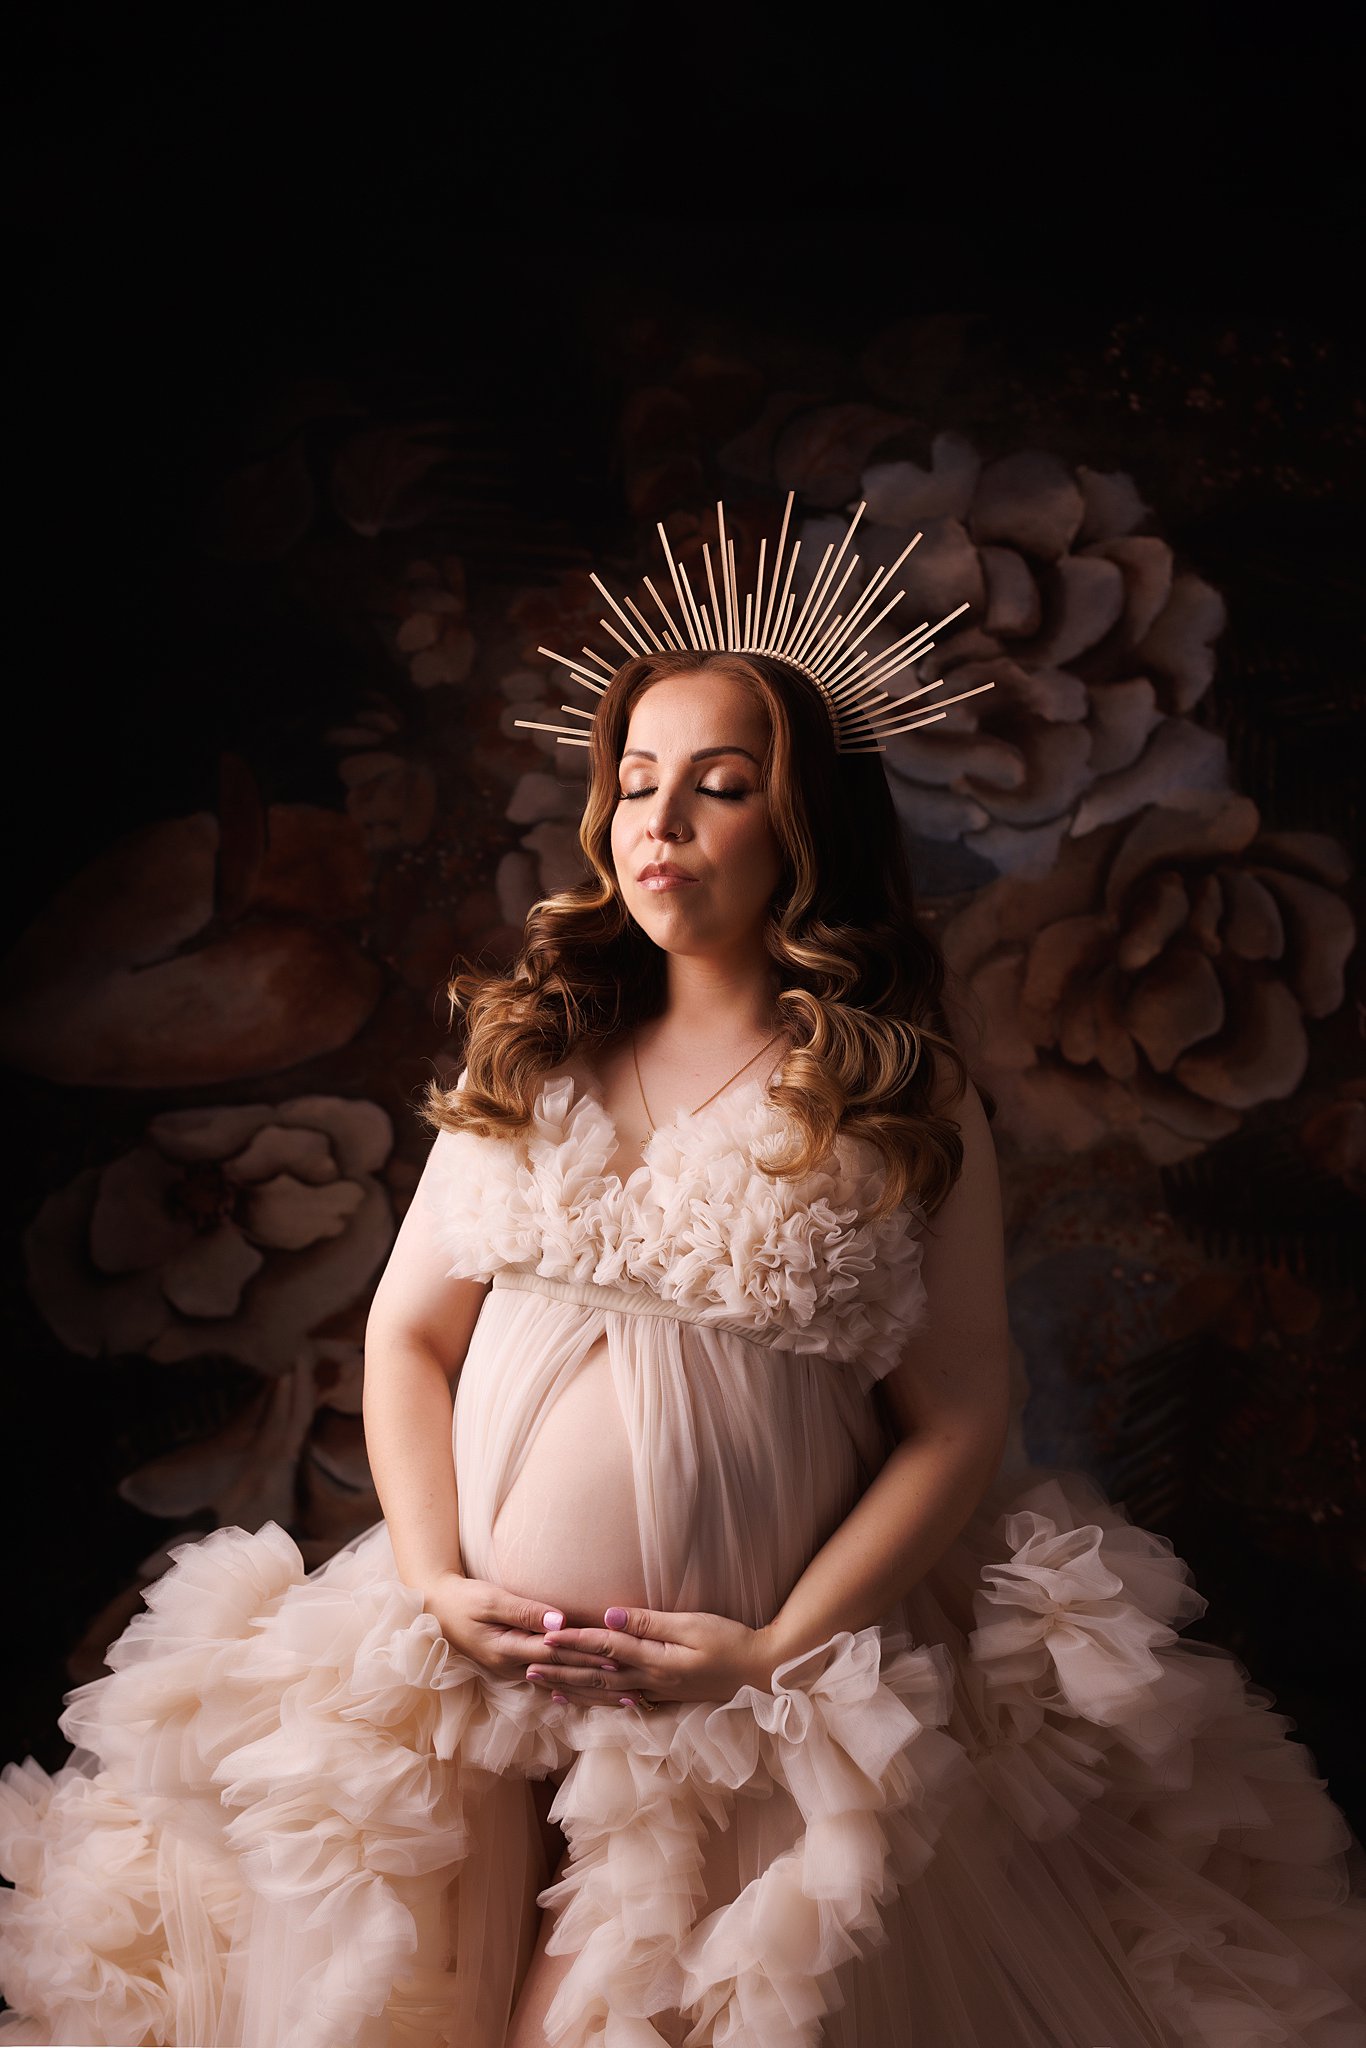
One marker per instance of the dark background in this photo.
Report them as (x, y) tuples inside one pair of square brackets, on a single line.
[(199, 213)]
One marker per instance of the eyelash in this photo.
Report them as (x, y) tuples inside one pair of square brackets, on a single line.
[(732, 796)]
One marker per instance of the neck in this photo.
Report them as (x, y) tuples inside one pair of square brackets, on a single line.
[(730, 998)]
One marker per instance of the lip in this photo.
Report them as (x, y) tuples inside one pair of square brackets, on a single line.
[(660, 875)]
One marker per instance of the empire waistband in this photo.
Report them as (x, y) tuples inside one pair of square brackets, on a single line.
[(631, 1301)]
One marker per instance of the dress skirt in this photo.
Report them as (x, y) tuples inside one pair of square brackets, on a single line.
[(1021, 1812)]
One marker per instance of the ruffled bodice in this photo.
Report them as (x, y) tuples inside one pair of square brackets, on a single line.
[(798, 1262)]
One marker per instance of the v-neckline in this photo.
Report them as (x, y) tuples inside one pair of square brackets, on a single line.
[(610, 1176)]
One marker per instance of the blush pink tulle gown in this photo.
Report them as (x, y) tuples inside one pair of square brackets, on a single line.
[(1020, 1813)]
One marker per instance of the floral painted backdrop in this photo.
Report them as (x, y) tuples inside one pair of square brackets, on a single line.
[(1140, 851)]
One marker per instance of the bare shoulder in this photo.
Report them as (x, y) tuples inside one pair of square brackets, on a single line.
[(970, 1114), (964, 1108)]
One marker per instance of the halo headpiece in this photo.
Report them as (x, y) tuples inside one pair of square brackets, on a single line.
[(824, 645)]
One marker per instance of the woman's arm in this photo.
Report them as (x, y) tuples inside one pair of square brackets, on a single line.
[(418, 1332), (416, 1338), (950, 1396)]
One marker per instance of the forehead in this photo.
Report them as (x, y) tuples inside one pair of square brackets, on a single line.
[(699, 709)]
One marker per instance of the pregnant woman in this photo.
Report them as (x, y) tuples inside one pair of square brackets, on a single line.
[(720, 1673)]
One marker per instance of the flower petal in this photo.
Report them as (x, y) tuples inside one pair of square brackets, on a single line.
[(1253, 927), (1085, 596), (207, 1277), (281, 1148), (1058, 758), (1146, 566), (933, 813), (1014, 606), (558, 853), (1161, 908), (195, 1134), (89, 1314), (943, 756), (1178, 1002), (1029, 852), (1180, 758), (904, 494), (131, 1226), (288, 1214), (1030, 500), (1324, 932), (1113, 505), (1176, 1109), (1314, 854), (1122, 716), (360, 1133), (540, 796), (1201, 826), (1072, 946), (1179, 643), (1262, 1060), (943, 571)]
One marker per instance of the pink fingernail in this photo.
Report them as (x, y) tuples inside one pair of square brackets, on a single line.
[(560, 1699), (552, 1618), (616, 1617), (608, 1664), (627, 1700)]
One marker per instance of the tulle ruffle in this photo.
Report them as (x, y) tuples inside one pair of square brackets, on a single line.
[(1218, 1858), (311, 1746), (799, 1261), (296, 1761)]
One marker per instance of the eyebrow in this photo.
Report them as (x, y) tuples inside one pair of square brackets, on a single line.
[(702, 754)]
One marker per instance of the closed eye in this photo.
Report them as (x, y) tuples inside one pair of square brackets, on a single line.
[(628, 796)]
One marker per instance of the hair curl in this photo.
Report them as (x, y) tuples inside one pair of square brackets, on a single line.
[(860, 983)]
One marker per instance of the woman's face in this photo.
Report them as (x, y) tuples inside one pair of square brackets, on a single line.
[(691, 799)]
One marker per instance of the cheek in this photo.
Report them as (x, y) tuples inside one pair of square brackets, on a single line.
[(754, 851)]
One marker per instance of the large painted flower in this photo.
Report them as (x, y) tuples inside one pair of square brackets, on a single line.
[(1157, 980), (231, 1231), (196, 951), (1097, 644)]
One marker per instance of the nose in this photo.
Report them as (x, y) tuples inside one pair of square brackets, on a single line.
[(666, 819)]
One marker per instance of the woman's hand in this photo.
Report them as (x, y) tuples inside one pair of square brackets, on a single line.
[(500, 1632), (657, 1658)]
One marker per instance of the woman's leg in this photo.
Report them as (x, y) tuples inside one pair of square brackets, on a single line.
[(544, 1973)]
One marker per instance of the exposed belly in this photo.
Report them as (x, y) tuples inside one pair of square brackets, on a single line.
[(651, 1465), (567, 1532)]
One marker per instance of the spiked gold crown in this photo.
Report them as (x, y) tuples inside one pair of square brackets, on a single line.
[(826, 646)]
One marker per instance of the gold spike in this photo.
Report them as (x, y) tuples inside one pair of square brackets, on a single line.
[(777, 563), (824, 644), (643, 647)]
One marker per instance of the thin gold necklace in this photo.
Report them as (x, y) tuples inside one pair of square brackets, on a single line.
[(649, 1113)]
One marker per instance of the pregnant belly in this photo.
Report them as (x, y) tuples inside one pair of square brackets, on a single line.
[(645, 1463), (567, 1531)]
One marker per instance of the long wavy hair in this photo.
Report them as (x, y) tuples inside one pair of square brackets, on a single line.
[(860, 983)]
